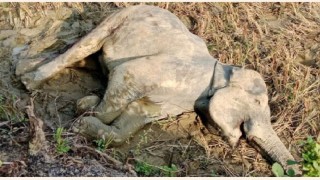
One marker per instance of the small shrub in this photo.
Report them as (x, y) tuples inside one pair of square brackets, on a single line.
[(311, 158), (145, 169), (103, 144), (62, 146)]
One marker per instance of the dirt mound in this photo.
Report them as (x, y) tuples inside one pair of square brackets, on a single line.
[(279, 40)]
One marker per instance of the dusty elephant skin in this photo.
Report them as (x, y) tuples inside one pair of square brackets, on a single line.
[(158, 68)]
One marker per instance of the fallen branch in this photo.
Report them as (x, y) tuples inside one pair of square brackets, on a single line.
[(116, 164), (109, 158), (38, 141)]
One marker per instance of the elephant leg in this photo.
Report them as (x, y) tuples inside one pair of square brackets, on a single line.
[(121, 91), (87, 103), (133, 118), (136, 116)]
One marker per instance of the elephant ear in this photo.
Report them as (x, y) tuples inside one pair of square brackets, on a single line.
[(249, 80)]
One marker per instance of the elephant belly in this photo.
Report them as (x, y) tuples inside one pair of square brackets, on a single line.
[(175, 100), (172, 105)]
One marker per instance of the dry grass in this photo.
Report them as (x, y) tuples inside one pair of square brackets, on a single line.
[(279, 40)]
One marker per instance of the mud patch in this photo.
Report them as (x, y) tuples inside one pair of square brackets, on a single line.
[(57, 100)]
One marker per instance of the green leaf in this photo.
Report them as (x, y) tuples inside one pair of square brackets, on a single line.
[(317, 149), (277, 170), (306, 167), (174, 167), (316, 165), (306, 157), (291, 172), (292, 162), (310, 140)]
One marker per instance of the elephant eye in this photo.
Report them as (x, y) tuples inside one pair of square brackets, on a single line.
[(257, 101)]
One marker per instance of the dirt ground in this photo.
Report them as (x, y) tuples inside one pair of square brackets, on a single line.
[(279, 40)]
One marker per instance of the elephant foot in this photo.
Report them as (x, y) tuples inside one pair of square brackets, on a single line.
[(136, 115), (92, 128), (30, 80), (87, 103)]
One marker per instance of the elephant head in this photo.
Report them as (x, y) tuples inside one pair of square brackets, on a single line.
[(242, 106)]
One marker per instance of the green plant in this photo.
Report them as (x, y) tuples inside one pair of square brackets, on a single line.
[(143, 140), (213, 174), (103, 144), (310, 163), (146, 169), (170, 171), (311, 158), (278, 170), (62, 146)]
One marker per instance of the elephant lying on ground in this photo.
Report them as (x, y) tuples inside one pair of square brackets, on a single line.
[(158, 68)]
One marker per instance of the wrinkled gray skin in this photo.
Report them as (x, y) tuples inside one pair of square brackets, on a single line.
[(158, 68)]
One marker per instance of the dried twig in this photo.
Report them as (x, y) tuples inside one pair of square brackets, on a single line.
[(4, 123)]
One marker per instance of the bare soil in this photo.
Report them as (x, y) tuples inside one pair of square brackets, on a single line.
[(279, 40)]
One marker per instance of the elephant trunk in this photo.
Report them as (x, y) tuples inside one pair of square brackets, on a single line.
[(267, 140)]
